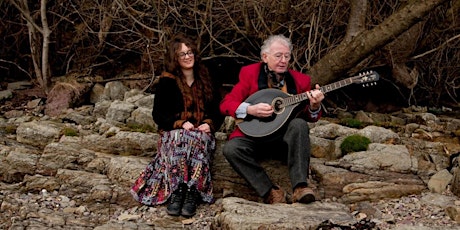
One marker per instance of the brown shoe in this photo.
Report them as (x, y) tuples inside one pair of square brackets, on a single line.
[(276, 195), (303, 195)]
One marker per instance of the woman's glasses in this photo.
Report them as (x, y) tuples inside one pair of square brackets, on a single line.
[(182, 55)]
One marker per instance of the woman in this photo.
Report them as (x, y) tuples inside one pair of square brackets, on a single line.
[(187, 114)]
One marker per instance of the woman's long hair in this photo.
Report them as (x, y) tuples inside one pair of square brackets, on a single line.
[(200, 72)]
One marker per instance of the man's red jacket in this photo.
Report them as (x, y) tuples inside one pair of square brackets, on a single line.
[(248, 84)]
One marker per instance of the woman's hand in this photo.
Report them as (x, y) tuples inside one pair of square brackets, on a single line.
[(205, 128), (315, 96), (188, 126)]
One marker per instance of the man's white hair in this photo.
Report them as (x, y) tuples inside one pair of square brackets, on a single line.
[(272, 39)]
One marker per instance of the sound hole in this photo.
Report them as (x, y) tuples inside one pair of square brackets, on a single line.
[(278, 105)]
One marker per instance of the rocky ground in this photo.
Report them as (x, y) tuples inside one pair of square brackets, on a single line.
[(414, 210), (411, 212), (44, 209)]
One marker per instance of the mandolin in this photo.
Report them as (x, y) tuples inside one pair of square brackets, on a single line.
[(284, 104)]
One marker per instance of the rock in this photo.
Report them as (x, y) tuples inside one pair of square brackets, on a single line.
[(115, 90), (438, 182), (243, 214), (119, 112), (6, 94), (363, 117), (97, 93), (393, 158), (454, 213), (66, 93), (39, 133), (379, 134), (17, 164), (377, 190)]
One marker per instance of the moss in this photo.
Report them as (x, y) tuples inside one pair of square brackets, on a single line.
[(10, 129), (68, 131), (354, 143), (140, 128), (352, 123)]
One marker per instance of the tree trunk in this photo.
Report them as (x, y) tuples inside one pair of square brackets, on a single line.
[(348, 54), (34, 39), (106, 24), (39, 56), (46, 32), (33, 31), (357, 20)]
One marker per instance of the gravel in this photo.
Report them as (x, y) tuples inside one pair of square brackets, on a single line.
[(422, 211)]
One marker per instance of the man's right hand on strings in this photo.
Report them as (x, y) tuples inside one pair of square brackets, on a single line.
[(260, 110)]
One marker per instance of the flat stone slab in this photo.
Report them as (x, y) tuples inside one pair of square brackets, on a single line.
[(243, 214)]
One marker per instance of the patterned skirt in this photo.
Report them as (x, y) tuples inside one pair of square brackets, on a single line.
[(183, 157)]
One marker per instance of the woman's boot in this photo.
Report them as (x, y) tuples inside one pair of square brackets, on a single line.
[(177, 200), (190, 202)]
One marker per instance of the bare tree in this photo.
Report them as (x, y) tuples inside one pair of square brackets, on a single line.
[(348, 54), (115, 39), (39, 39)]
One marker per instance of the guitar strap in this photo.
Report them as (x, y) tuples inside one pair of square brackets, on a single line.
[(263, 81)]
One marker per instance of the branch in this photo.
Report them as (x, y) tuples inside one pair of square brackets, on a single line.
[(437, 48), (123, 79), (19, 67), (135, 19), (26, 14)]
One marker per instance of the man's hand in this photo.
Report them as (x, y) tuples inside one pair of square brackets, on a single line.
[(260, 110), (315, 96)]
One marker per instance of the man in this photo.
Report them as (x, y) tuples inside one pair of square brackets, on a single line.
[(243, 151)]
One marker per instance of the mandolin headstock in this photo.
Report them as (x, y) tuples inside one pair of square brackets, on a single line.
[(367, 78)]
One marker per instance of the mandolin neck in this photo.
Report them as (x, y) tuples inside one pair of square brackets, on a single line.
[(295, 99)]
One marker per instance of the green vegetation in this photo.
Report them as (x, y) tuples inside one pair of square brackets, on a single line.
[(140, 128), (354, 143), (9, 129), (352, 123), (70, 132)]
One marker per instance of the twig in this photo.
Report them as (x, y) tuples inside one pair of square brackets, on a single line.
[(437, 48), (19, 67)]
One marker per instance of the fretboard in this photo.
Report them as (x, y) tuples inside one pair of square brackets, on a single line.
[(327, 88)]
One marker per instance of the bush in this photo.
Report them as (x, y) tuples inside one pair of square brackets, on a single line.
[(354, 143)]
